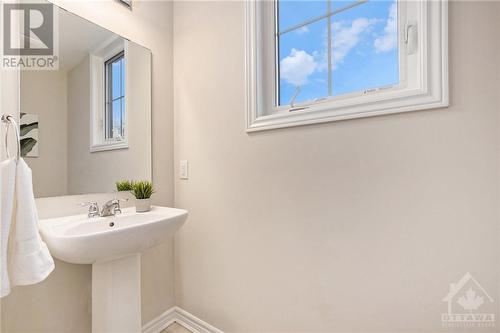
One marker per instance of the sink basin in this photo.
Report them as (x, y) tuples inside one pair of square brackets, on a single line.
[(80, 240), (113, 246)]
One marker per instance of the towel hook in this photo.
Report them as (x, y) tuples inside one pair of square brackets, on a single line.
[(9, 121)]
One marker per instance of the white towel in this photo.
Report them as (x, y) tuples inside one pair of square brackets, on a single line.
[(7, 186), (29, 260)]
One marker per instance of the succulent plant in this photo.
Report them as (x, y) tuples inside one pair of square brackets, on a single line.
[(125, 185), (143, 189)]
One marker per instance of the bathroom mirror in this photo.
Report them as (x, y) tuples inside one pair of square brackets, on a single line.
[(87, 124)]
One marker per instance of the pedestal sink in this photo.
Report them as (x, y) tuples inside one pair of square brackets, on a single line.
[(112, 245)]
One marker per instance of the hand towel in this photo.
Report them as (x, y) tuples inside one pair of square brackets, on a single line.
[(7, 186), (29, 259)]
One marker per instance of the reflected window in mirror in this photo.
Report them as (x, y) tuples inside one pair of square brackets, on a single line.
[(115, 97), (108, 66)]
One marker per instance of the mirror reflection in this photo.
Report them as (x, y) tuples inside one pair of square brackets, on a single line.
[(88, 124)]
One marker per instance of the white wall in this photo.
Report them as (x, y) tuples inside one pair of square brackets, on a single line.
[(350, 226), (45, 93), (149, 24)]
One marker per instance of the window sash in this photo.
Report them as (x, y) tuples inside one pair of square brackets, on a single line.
[(330, 98), (108, 116), (328, 17)]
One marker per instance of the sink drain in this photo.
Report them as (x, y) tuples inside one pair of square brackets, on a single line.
[(111, 224)]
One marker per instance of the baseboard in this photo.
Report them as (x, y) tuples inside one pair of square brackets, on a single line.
[(181, 317)]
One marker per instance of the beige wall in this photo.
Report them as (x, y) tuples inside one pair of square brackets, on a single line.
[(45, 93), (45, 307), (90, 172), (349, 226)]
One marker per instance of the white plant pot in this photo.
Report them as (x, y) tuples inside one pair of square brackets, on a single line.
[(142, 205)]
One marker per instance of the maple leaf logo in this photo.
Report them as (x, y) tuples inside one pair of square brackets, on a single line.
[(470, 301)]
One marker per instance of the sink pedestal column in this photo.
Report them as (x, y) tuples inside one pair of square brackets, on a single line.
[(116, 295)]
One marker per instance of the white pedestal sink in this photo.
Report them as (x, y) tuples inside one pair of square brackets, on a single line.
[(113, 246)]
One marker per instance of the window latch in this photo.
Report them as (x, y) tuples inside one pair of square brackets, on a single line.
[(292, 101), (411, 37), (294, 97)]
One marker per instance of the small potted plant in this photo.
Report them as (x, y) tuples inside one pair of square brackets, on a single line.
[(124, 185), (142, 190)]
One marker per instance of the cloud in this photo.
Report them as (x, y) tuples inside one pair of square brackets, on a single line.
[(388, 41), (347, 36), (296, 68), (302, 30)]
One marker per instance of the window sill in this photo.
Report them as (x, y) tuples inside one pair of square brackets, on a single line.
[(360, 107), (109, 146)]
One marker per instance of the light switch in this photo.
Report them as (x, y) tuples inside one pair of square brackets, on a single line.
[(183, 169)]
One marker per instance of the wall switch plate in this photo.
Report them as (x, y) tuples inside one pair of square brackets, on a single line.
[(183, 169)]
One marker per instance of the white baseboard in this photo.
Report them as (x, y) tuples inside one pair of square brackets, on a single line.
[(181, 317), (161, 322)]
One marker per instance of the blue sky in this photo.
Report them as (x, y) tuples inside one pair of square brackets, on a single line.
[(364, 48)]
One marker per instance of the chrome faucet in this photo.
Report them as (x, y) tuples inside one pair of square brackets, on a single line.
[(111, 208), (93, 208)]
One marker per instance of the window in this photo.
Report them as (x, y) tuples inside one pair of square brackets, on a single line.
[(115, 97), (318, 61), (108, 94), (332, 48)]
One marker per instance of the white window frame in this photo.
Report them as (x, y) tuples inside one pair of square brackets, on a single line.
[(423, 40), (98, 58)]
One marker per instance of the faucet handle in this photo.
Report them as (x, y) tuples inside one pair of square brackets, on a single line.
[(93, 208), (118, 209), (120, 201)]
